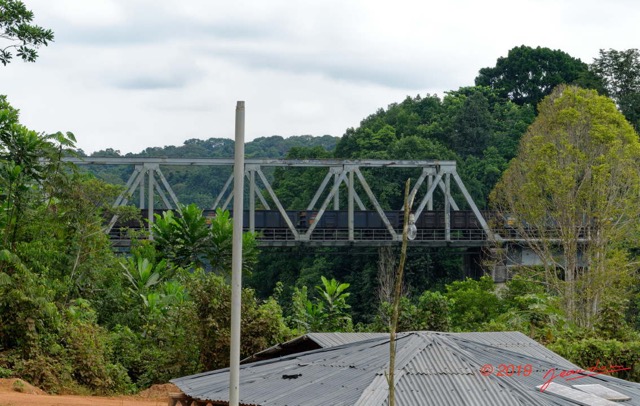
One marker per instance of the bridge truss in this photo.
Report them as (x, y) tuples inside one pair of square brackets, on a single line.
[(148, 180)]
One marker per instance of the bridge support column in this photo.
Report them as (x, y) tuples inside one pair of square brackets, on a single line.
[(350, 215), (447, 207)]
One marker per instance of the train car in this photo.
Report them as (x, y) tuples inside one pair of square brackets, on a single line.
[(458, 220), (363, 219), (339, 219), (269, 219)]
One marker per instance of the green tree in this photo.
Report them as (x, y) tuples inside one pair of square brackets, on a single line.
[(530, 309), (464, 124), (183, 238), (377, 132), (142, 274), (472, 303), (308, 316), (27, 160), (262, 323), (590, 352), (620, 74), (187, 240), (433, 312), (55, 264), (574, 189), (472, 125), (526, 74), (16, 29), (219, 251)]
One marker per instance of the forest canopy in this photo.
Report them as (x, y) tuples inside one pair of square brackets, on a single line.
[(77, 316)]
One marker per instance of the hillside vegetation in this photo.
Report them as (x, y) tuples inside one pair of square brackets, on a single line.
[(540, 134)]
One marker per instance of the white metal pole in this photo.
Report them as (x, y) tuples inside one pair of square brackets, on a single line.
[(150, 206), (236, 260), (252, 201)]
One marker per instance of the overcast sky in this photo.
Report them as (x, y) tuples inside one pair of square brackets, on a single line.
[(130, 74)]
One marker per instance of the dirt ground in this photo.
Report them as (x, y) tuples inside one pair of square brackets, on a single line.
[(27, 395)]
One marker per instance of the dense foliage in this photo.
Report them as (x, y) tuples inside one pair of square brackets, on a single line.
[(576, 178), (75, 316), (620, 73), (528, 74)]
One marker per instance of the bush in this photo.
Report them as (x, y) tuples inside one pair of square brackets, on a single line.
[(429, 312), (593, 352), (262, 324), (473, 303), (434, 311), (5, 373), (73, 357), (88, 353)]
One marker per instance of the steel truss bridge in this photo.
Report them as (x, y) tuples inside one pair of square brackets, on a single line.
[(324, 223)]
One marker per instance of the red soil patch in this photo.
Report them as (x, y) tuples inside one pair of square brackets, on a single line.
[(157, 395), (18, 385), (159, 391)]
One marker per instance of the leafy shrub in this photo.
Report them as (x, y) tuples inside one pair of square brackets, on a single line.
[(593, 352), (5, 372), (434, 311), (429, 312), (88, 353), (473, 302), (262, 324)]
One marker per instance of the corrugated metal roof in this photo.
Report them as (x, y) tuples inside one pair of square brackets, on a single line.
[(517, 342), (325, 340), (431, 368), (311, 341)]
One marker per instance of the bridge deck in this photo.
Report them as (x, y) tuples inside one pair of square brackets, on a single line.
[(332, 237)]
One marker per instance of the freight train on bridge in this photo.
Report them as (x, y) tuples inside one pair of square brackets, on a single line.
[(333, 225)]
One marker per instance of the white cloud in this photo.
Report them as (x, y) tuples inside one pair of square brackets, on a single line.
[(128, 74), (82, 13)]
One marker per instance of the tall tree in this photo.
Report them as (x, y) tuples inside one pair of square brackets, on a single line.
[(620, 74), (472, 126), (17, 31), (528, 74), (574, 189), (27, 160)]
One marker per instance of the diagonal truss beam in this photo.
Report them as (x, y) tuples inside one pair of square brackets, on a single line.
[(250, 175), (323, 208), (474, 208), (223, 192), (137, 181), (167, 187), (375, 203), (438, 175), (275, 199)]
